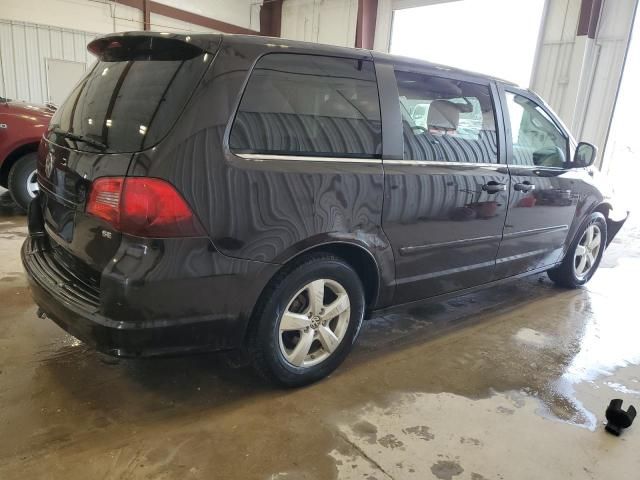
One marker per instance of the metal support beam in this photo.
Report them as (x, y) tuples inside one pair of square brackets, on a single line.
[(589, 16), (366, 23), (146, 14), (271, 18)]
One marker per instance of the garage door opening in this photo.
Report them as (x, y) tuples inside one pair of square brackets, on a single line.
[(495, 37), (622, 154)]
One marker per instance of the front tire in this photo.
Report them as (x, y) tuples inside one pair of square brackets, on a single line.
[(307, 320), (584, 254), (23, 181)]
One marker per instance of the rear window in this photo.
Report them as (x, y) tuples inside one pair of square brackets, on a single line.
[(133, 95), (309, 105)]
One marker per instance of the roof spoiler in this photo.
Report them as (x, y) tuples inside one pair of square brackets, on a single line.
[(152, 46)]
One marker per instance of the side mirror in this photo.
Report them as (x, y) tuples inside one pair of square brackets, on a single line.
[(585, 155)]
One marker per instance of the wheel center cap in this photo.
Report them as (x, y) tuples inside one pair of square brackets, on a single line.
[(315, 322)]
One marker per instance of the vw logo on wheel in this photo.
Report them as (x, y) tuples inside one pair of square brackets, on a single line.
[(48, 165)]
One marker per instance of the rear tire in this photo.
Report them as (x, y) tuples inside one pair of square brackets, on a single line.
[(22, 181), (306, 321), (584, 254)]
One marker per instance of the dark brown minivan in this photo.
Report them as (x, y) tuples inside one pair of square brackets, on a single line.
[(212, 192)]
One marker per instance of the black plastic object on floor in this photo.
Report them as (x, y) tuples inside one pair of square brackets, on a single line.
[(617, 418)]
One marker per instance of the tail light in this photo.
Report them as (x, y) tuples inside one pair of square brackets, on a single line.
[(144, 207)]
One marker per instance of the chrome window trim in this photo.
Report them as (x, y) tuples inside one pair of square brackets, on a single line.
[(442, 163), (538, 167), (259, 157)]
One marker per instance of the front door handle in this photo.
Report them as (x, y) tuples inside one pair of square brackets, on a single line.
[(494, 187), (524, 187)]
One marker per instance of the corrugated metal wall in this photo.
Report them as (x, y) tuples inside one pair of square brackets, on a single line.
[(321, 21), (24, 49), (579, 76)]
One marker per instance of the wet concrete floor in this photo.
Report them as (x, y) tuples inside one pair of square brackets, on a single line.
[(508, 383)]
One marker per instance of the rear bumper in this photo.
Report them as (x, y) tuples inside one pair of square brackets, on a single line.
[(79, 310)]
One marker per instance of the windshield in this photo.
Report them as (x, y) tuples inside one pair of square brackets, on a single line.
[(131, 97)]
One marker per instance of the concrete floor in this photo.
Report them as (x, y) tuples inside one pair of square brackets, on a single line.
[(508, 383)]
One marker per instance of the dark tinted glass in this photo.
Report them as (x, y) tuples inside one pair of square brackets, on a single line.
[(309, 105), (446, 120), (132, 96)]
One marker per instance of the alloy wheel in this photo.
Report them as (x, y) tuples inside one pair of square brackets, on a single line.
[(587, 251), (314, 323), (32, 184)]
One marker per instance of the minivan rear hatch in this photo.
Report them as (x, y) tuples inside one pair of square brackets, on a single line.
[(126, 103)]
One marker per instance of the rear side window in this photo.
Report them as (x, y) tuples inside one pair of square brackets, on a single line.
[(309, 105), (134, 93), (446, 120)]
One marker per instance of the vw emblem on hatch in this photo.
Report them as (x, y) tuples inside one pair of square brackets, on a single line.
[(48, 165)]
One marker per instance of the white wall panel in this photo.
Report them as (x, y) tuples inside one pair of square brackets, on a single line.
[(322, 21), (91, 15), (24, 48), (611, 46), (160, 23), (34, 30), (243, 13), (579, 76), (104, 16), (299, 20), (337, 22)]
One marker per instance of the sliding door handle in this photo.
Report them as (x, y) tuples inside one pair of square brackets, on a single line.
[(494, 187), (524, 187)]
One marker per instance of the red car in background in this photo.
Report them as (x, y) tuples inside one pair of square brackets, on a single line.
[(21, 127)]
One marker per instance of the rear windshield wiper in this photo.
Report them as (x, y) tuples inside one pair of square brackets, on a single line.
[(80, 138)]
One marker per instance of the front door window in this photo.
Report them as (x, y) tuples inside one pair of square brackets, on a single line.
[(537, 141)]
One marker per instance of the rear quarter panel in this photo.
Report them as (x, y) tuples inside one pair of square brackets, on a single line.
[(265, 211)]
